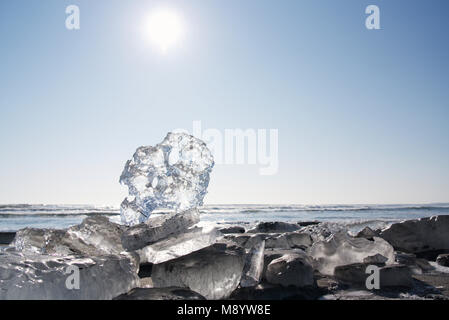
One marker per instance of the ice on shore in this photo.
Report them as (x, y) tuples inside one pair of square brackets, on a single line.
[(291, 269), (288, 240), (213, 272), (418, 236), (95, 236), (252, 272), (170, 293), (172, 175), (158, 228), (30, 276), (179, 245), (38, 263), (341, 249)]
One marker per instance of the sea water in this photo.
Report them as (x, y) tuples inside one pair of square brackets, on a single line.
[(15, 217)]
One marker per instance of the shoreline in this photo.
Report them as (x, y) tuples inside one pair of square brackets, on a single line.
[(306, 260)]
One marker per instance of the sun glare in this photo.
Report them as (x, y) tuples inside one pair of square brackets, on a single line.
[(164, 28)]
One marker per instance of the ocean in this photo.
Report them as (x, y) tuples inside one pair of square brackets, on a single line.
[(356, 217)]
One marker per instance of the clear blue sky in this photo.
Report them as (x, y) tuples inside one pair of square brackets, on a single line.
[(363, 115)]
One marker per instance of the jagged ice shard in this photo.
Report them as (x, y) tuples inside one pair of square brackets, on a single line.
[(172, 175)]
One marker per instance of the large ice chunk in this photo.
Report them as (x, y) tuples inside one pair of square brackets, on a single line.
[(35, 276), (418, 236), (213, 272), (252, 271), (95, 236), (341, 249), (157, 228), (179, 245), (292, 269), (172, 175)]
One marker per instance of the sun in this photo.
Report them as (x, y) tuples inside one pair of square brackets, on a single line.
[(164, 28)]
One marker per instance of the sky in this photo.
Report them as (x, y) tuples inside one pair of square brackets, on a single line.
[(362, 115)]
